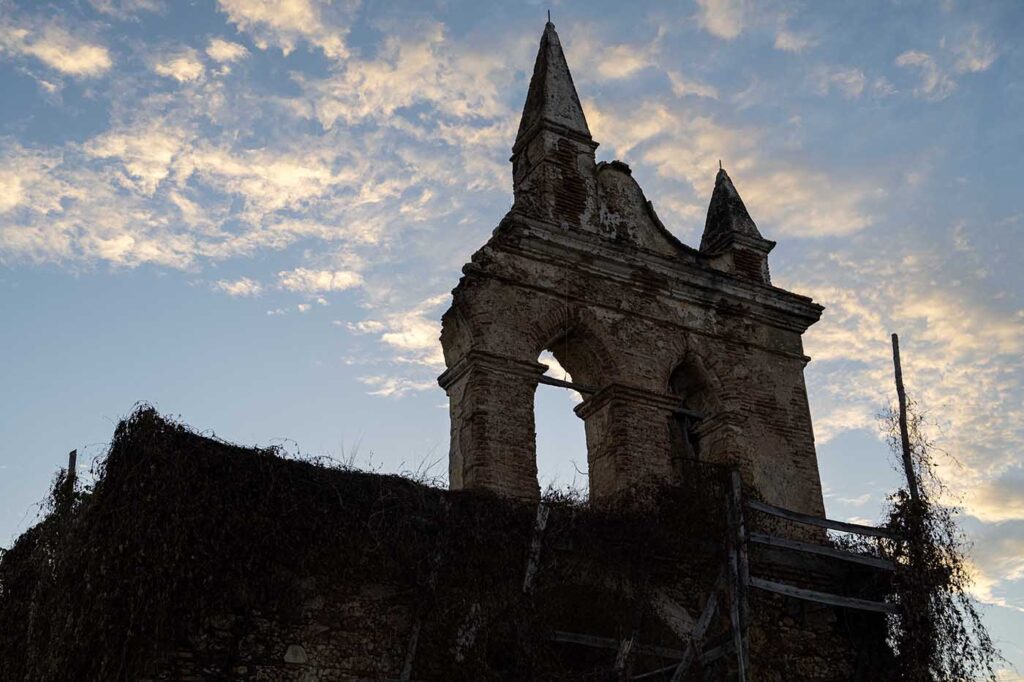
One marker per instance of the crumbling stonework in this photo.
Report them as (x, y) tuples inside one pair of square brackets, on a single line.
[(581, 266), (194, 559)]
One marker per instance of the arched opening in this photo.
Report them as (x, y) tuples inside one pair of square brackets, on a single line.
[(692, 385), (560, 435)]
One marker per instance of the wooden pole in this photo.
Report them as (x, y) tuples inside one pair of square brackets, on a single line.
[(72, 470), (908, 464)]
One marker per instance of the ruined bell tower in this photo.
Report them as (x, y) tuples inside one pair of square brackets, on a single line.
[(680, 353)]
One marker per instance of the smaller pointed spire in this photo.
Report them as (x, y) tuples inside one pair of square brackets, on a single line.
[(552, 97), (726, 213)]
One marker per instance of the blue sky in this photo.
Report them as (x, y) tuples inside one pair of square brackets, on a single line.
[(250, 213)]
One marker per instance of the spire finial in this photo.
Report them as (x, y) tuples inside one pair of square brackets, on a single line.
[(551, 98), (719, 164), (549, 16)]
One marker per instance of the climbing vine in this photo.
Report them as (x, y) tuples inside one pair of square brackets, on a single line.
[(940, 635)]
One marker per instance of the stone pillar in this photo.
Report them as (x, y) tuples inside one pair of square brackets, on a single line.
[(627, 439), (493, 435)]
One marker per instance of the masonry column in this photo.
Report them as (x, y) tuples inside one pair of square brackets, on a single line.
[(491, 398), (627, 439)]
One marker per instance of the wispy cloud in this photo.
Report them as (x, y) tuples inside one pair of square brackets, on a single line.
[(791, 41), (721, 18), (239, 287), (307, 281), (284, 23), (221, 50), (182, 65), (849, 82), (54, 46), (934, 83)]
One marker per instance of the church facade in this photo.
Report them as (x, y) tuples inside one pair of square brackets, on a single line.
[(681, 353)]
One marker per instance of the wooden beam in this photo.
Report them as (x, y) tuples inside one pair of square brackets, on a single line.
[(744, 564), (820, 521), (824, 597), (865, 559), (410, 652), (682, 411), (710, 607), (72, 470), (706, 657), (551, 381), (613, 644), (735, 621), (901, 394), (535, 546)]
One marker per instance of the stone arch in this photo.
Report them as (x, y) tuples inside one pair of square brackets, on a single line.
[(695, 384), (456, 335), (699, 392), (577, 342)]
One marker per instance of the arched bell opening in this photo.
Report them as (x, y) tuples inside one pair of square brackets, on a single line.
[(697, 404), (564, 442), (561, 441)]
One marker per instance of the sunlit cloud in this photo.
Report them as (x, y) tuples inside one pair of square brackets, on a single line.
[(54, 46), (934, 82), (183, 65), (790, 41), (974, 54), (240, 287), (849, 82), (284, 23), (308, 281), (721, 18), (221, 50)]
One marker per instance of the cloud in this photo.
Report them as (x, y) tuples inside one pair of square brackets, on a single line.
[(145, 151), (934, 84), (784, 199), (56, 47), (286, 22), (1000, 498), (126, 9), (681, 87), (318, 281), (789, 41), (721, 18), (622, 61), (974, 54), (183, 66), (415, 332), (962, 359), (221, 50), (849, 82), (239, 287), (395, 387), (421, 67)]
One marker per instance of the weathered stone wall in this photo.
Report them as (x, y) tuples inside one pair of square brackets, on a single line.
[(582, 267), (193, 559), (623, 320)]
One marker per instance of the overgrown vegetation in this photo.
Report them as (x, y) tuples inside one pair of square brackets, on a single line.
[(180, 530), (940, 636)]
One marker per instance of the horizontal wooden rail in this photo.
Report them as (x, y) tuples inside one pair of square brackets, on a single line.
[(810, 548), (551, 381), (823, 597), (614, 644), (820, 521)]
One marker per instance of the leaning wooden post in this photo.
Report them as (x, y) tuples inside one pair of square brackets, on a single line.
[(736, 623), (908, 463), (72, 466)]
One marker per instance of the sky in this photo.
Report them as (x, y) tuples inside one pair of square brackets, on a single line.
[(250, 214)]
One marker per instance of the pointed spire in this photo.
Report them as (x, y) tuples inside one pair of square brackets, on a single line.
[(552, 97), (726, 213)]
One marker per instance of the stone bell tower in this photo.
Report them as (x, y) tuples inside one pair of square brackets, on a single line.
[(680, 353)]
